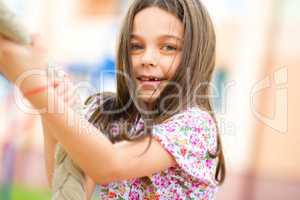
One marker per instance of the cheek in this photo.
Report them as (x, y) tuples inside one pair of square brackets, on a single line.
[(170, 65), (135, 64)]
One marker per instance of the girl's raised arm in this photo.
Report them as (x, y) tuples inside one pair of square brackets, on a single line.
[(64, 90), (91, 150)]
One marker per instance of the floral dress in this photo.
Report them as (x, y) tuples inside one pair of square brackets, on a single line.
[(188, 136)]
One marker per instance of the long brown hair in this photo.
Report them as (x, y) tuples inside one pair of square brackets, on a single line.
[(193, 76)]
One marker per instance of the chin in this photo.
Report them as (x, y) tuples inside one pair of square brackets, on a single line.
[(148, 98)]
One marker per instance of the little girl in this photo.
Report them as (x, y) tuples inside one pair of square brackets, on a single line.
[(156, 137)]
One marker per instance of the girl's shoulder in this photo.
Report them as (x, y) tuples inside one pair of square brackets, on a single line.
[(190, 136), (191, 113), (190, 123)]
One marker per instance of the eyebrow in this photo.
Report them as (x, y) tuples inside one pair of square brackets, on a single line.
[(163, 36)]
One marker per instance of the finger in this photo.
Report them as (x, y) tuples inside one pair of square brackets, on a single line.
[(2, 39), (67, 90), (6, 43), (63, 89), (69, 93), (60, 89)]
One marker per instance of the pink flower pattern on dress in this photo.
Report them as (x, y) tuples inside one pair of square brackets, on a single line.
[(188, 136)]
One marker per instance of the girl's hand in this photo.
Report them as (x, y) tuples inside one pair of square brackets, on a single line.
[(16, 59)]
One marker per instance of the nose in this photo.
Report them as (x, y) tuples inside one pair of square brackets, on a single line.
[(149, 58)]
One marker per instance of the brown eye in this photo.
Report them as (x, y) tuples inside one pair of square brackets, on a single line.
[(135, 47), (169, 48)]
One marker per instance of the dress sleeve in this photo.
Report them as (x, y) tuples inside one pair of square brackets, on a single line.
[(188, 137)]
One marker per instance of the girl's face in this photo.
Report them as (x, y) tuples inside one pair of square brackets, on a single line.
[(155, 50)]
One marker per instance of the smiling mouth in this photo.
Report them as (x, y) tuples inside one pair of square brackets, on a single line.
[(150, 78)]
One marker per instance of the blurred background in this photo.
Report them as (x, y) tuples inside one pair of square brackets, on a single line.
[(255, 90)]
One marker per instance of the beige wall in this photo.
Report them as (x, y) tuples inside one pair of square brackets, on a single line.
[(279, 152)]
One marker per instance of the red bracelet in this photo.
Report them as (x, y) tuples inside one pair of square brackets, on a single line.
[(40, 89)]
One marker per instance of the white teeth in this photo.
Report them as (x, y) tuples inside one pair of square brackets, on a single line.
[(149, 78), (145, 79)]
